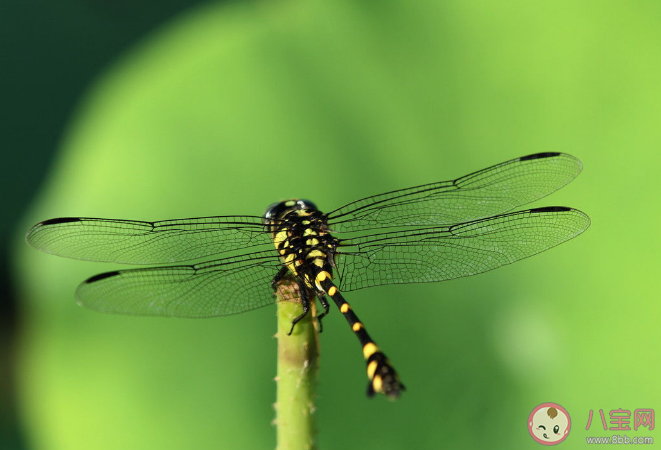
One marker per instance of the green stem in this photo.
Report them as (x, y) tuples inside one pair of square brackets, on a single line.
[(298, 364)]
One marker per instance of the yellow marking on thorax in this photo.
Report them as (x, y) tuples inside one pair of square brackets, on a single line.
[(281, 239), (315, 254), (345, 308), (369, 349), (318, 262), (312, 242), (309, 232), (280, 236)]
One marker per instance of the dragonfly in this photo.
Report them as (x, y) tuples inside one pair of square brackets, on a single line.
[(429, 233)]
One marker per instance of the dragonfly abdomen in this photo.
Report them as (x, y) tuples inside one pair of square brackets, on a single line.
[(307, 249), (383, 378)]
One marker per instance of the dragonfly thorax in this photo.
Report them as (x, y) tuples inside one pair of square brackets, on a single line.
[(301, 237)]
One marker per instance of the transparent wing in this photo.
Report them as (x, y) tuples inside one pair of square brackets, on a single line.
[(484, 193), (215, 288), (460, 250), (136, 242)]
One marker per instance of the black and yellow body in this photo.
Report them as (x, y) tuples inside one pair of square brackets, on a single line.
[(220, 265), (302, 238)]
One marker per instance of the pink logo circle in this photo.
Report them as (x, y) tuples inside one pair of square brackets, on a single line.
[(549, 423)]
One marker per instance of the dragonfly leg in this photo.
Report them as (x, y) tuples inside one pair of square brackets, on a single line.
[(278, 277), (324, 304), (305, 303)]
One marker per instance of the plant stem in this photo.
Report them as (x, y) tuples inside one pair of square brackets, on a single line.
[(298, 365)]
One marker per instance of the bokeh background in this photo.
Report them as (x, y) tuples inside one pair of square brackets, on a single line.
[(212, 108)]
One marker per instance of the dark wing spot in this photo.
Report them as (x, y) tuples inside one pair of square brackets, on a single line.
[(60, 220), (539, 156), (101, 276), (550, 209)]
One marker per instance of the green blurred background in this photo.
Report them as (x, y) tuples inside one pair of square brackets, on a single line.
[(225, 107)]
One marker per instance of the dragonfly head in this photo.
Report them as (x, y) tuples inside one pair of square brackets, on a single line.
[(278, 211)]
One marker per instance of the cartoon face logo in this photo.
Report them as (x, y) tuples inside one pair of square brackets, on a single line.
[(549, 423)]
